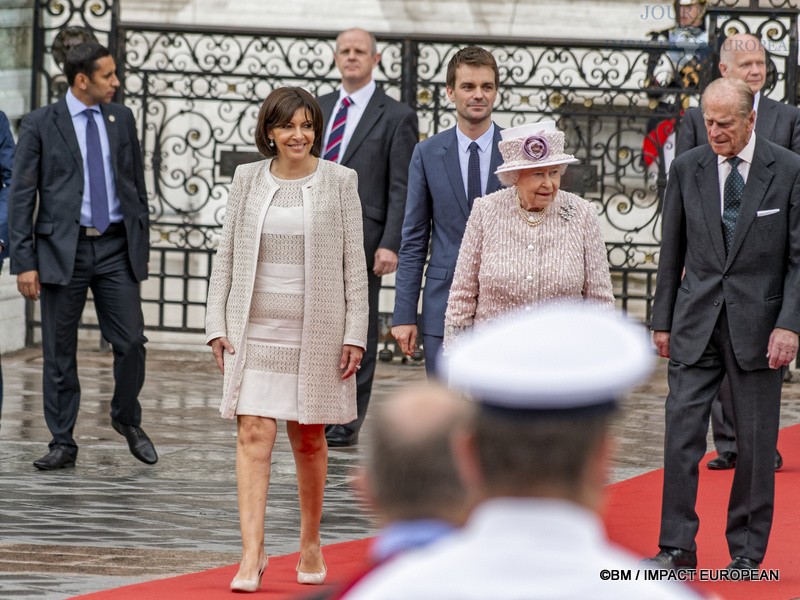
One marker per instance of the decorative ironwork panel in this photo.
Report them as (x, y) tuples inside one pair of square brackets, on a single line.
[(196, 92), (60, 25)]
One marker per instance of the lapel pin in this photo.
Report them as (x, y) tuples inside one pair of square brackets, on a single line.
[(111, 118)]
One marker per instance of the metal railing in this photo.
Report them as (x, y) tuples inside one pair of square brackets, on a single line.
[(195, 92)]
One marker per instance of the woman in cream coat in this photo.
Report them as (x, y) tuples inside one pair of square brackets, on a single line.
[(287, 317)]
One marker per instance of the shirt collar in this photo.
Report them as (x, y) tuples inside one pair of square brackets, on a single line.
[(756, 99), (483, 142), (405, 535), (746, 154), (75, 106), (361, 96)]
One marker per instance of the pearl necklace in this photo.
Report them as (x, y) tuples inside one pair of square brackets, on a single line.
[(531, 219)]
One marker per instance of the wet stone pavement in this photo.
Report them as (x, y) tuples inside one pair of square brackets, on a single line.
[(113, 521)]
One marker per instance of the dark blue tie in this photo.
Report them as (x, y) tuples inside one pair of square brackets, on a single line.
[(337, 133), (98, 195), (473, 174), (732, 201)]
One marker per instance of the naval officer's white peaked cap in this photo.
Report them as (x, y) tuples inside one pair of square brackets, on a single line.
[(563, 356)]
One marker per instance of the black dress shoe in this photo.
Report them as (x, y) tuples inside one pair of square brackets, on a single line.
[(58, 458), (726, 460), (778, 461), (138, 442), (340, 436), (671, 558), (742, 563)]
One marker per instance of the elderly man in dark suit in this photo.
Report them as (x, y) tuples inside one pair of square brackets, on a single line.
[(88, 230), (374, 135), (741, 56), (448, 171), (726, 303)]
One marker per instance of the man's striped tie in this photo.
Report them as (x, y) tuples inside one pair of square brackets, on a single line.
[(337, 133)]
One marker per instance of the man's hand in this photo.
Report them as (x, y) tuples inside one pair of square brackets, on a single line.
[(406, 337), (782, 347), (28, 285), (218, 345), (661, 341), (385, 262)]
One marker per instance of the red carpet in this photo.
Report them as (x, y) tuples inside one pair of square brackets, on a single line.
[(632, 519), (633, 512), (279, 581)]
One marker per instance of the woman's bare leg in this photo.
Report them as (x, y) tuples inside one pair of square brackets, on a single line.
[(254, 443), (311, 461)]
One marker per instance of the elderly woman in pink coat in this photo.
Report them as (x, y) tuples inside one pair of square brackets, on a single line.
[(529, 243), (287, 317)]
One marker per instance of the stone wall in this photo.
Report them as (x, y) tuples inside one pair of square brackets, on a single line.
[(613, 19)]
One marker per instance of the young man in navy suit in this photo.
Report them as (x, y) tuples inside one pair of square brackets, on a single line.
[(440, 197)]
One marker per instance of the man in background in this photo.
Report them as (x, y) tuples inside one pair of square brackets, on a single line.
[(448, 171), (374, 135)]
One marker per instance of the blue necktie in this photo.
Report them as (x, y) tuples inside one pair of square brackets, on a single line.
[(98, 195), (732, 201), (473, 174), (337, 132)]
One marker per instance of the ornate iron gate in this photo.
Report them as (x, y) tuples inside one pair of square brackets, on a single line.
[(196, 92)]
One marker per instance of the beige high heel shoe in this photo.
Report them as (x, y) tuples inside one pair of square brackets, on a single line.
[(250, 585), (311, 578)]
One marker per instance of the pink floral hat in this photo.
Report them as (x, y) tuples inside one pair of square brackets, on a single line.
[(532, 146)]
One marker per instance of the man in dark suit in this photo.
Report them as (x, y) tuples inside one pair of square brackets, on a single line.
[(448, 171), (374, 135), (6, 163), (741, 56), (726, 302), (88, 230)]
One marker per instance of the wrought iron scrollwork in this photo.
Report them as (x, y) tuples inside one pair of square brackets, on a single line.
[(196, 91)]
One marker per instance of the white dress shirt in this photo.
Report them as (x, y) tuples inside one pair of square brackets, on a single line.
[(359, 100), (517, 548), (76, 108), (484, 155)]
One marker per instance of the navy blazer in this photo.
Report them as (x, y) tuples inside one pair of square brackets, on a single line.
[(6, 163), (436, 212), (49, 165)]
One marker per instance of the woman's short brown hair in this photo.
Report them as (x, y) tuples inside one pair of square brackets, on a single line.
[(278, 109)]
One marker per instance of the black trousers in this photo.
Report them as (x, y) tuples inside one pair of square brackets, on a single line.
[(755, 399), (101, 264), (366, 374), (722, 419)]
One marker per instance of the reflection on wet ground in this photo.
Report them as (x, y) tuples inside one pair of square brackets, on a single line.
[(113, 520)]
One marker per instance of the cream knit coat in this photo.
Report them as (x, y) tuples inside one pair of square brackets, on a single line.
[(335, 303)]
